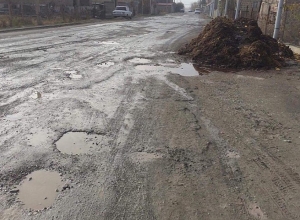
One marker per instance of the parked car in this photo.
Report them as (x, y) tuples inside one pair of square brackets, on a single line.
[(197, 11), (122, 11)]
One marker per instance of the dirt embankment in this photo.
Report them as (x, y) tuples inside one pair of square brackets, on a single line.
[(236, 44)]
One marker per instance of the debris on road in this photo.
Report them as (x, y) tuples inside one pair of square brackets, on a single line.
[(14, 191), (225, 43)]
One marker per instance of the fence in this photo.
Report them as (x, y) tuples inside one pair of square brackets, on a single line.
[(14, 13)]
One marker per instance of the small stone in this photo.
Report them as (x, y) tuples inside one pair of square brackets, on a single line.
[(30, 178), (14, 191), (288, 141)]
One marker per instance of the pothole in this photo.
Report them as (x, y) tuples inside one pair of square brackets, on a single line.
[(139, 60), (75, 143), (39, 189), (73, 74), (106, 64)]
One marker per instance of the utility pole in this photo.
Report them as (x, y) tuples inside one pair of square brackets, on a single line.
[(278, 19), (226, 8), (238, 8), (22, 8), (10, 13), (37, 11)]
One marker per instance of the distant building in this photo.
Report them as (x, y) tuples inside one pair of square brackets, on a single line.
[(165, 6)]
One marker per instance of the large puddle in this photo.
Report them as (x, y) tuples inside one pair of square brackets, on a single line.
[(39, 189), (185, 69), (76, 143)]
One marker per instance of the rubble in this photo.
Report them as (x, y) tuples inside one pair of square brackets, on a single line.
[(240, 44)]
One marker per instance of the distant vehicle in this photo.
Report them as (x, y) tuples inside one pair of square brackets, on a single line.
[(191, 11), (181, 10), (122, 11), (197, 11)]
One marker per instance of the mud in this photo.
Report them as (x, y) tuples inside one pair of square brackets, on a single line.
[(39, 189)]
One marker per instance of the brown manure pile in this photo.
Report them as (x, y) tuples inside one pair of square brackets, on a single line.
[(240, 44)]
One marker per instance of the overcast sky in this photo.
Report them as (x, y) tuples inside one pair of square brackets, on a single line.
[(187, 3)]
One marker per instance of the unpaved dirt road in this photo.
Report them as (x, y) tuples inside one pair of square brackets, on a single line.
[(98, 115)]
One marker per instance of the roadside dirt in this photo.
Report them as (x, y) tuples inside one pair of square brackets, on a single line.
[(252, 120), (236, 44)]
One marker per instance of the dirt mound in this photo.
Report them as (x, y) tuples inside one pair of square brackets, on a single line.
[(236, 44)]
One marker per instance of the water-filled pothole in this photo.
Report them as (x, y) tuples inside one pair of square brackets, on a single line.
[(77, 143), (139, 60), (106, 64), (39, 189)]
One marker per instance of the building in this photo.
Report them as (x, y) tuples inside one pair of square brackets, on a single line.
[(164, 6)]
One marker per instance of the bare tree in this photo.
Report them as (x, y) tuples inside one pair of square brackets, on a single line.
[(194, 5)]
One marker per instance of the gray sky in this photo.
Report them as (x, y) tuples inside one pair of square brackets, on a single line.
[(187, 3)]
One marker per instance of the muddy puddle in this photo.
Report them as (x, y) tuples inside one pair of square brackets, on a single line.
[(106, 64), (75, 143), (39, 189), (139, 60), (184, 69)]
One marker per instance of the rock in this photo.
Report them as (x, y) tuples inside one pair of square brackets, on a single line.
[(14, 191)]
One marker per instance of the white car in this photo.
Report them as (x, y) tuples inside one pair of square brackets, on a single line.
[(197, 11), (122, 11)]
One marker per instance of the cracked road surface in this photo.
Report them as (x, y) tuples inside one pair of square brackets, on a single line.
[(101, 107)]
